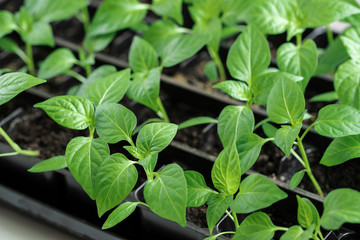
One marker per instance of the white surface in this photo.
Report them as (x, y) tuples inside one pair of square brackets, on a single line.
[(17, 226)]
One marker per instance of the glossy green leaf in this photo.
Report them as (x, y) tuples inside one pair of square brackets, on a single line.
[(84, 156), (218, 204), (51, 164), (298, 60), (149, 162), (337, 120), (197, 190), (295, 233), (110, 89), (58, 62), (341, 150), (98, 42), (257, 226), (115, 179), (235, 121), (154, 137), (145, 88), (211, 29), (249, 56), (114, 15), (211, 71), (346, 77), (307, 213), (142, 56), (40, 35), (341, 206), (196, 121), (114, 122), (7, 23), (256, 192), (269, 130), (9, 45), (169, 189), (73, 112), (120, 213), (286, 136), (286, 103), (325, 97), (25, 20), (350, 40), (226, 173), (205, 10), (234, 11), (235, 89), (171, 9), (296, 178), (11, 84), (249, 147)]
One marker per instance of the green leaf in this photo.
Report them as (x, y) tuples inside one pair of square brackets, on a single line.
[(286, 103), (211, 71), (145, 88), (9, 45), (235, 89), (235, 121), (296, 233), (11, 84), (263, 84), (249, 147), (341, 206), (257, 226), (115, 179), (58, 62), (40, 34), (296, 178), (256, 192), (73, 112), (249, 56), (286, 136), (234, 11), (204, 10), (51, 164), (99, 42), (350, 40), (7, 23), (211, 29), (197, 190), (154, 137), (269, 130), (171, 9), (169, 189), (325, 97), (341, 150), (114, 122), (346, 77), (226, 173), (120, 213), (218, 204), (149, 162), (24, 20), (298, 60), (84, 156), (110, 89), (307, 213), (196, 121), (142, 56), (337, 120)]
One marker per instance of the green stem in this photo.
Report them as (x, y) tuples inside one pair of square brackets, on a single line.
[(297, 157), (307, 130), (229, 215), (162, 112), (215, 56), (85, 19), (236, 222), (9, 154), (298, 39), (308, 169), (261, 123), (16, 147), (329, 34), (76, 75), (30, 59), (282, 229)]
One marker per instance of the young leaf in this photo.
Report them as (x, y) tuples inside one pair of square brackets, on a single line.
[(145, 88), (114, 122), (307, 213), (98, 42), (269, 130), (262, 85), (11, 84), (286, 136), (337, 120), (298, 60), (197, 190), (325, 97), (296, 233), (203, 11), (109, 89), (346, 77), (169, 189), (226, 173), (84, 155), (9, 45), (341, 206), (51, 164), (171, 9), (249, 56), (120, 213), (218, 204), (234, 121), (196, 121), (350, 40), (235, 89), (154, 137), (115, 179), (69, 111), (58, 62), (7, 23), (286, 103), (40, 34), (256, 192), (296, 178), (257, 226), (341, 150), (211, 71), (149, 162), (249, 147), (142, 56)]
